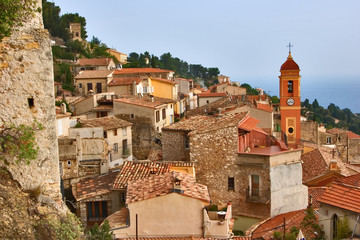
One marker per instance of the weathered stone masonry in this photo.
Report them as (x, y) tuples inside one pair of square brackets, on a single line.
[(27, 95)]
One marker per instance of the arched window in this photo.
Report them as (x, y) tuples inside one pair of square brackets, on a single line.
[(334, 225)]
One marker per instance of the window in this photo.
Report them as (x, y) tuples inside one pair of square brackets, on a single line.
[(145, 89), (101, 114), (80, 85), (96, 211), (186, 142), (115, 132), (207, 101), (255, 185), (231, 183), (163, 113), (132, 116), (89, 86), (116, 147), (291, 130), (126, 151), (124, 131), (98, 88), (105, 134), (328, 140), (31, 102), (157, 116), (69, 163), (334, 226), (290, 86)]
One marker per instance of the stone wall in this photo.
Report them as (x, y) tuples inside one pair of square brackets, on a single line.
[(215, 157), (143, 134), (309, 131), (27, 95), (173, 146)]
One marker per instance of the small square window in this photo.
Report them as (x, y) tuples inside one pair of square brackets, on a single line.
[(116, 147), (132, 116), (80, 85)]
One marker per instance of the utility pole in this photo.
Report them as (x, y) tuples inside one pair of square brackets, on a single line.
[(137, 231), (284, 229)]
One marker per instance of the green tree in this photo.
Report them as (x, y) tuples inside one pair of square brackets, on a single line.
[(310, 226), (315, 104), (13, 13), (249, 89), (275, 99), (100, 233), (343, 229)]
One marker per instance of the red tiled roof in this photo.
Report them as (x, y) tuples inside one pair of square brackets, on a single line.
[(313, 165), (118, 218), (256, 97), (266, 229), (314, 194), (164, 81), (353, 135), (343, 195), (208, 94), (107, 123), (95, 186), (90, 74), (94, 61), (141, 70), (201, 123), (160, 185), (353, 180), (145, 101), (248, 123), (131, 171), (324, 180), (289, 64), (124, 81), (265, 107)]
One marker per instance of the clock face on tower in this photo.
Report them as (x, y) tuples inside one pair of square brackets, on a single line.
[(290, 101)]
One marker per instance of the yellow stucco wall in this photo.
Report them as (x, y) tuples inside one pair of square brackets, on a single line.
[(163, 89)]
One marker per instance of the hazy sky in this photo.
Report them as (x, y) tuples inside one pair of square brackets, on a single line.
[(246, 40)]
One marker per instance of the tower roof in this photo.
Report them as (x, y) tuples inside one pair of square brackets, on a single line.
[(289, 64)]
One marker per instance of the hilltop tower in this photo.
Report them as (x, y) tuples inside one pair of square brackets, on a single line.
[(75, 30), (290, 103)]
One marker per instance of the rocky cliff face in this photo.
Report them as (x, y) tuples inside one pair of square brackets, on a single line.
[(30, 193)]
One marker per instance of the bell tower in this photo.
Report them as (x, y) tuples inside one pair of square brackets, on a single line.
[(290, 103)]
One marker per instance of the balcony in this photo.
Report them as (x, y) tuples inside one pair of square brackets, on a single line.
[(257, 195)]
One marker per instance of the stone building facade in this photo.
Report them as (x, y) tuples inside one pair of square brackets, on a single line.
[(27, 96)]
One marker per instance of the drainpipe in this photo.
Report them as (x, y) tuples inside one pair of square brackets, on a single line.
[(203, 220)]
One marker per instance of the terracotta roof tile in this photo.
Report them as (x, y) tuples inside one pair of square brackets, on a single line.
[(118, 218), (107, 123), (353, 135), (131, 171), (344, 194), (160, 185), (90, 74), (266, 229), (94, 61), (327, 154), (144, 101), (314, 194), (182, 238), (141, 70), (313, 165), (124, 81), (209, 94), (164, 81), (95, 186), (200, 123), (248, 123), (265, 107)]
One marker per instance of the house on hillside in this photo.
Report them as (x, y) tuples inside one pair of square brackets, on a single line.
[(84, 64), (100, 196), (121, 57), (258, 174), (96, 106), (176, 205), (341, 200), (131, 86), (207, 97), (92, 81), (117, 132), (226, 87), (144, 73)]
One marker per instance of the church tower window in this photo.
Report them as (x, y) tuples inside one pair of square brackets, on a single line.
[(290, 86)]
